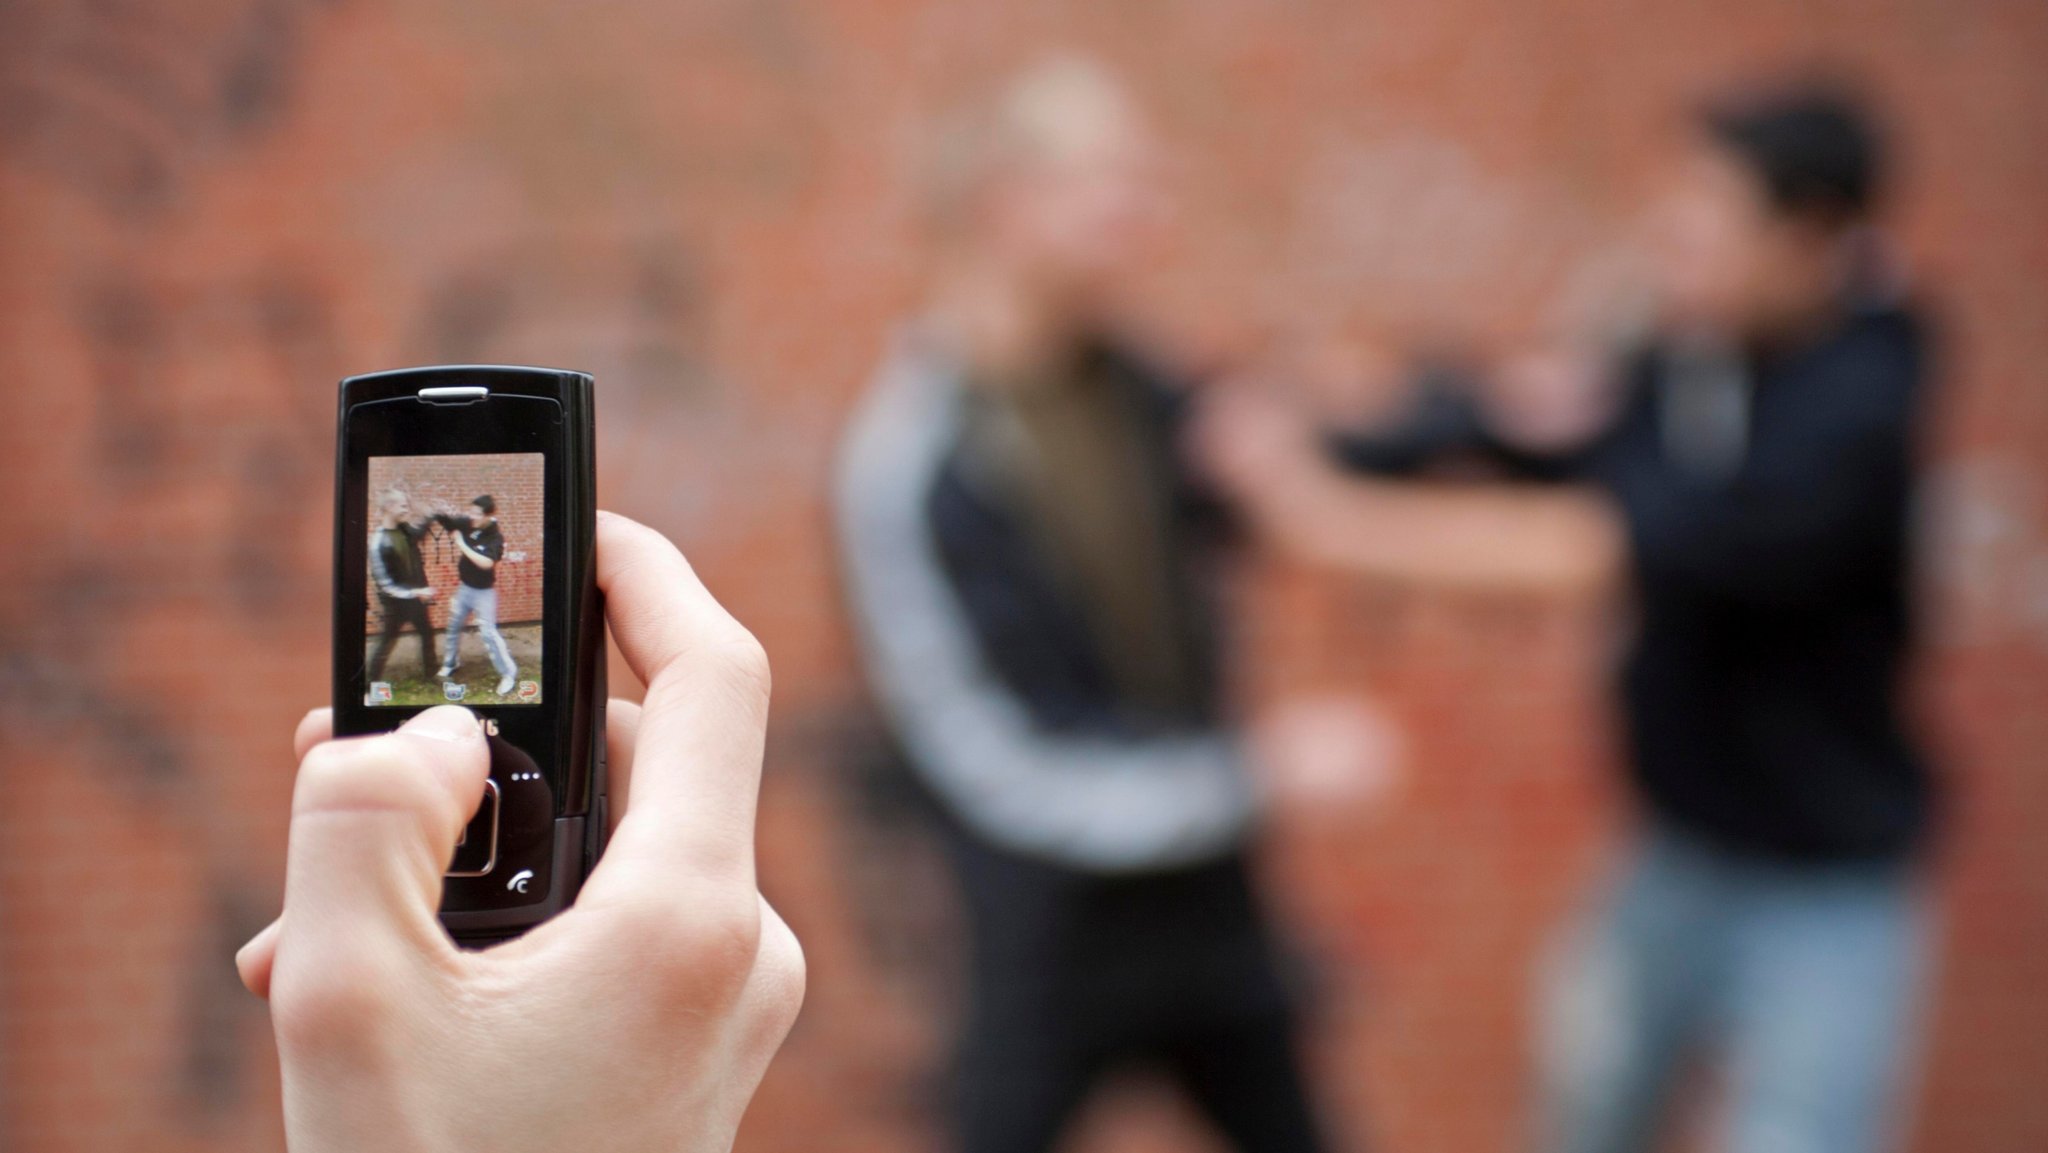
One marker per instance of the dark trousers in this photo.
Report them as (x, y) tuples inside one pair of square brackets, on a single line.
[(1076, 976), (397, 615)]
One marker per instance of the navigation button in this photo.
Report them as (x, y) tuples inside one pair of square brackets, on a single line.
[(477, 852)]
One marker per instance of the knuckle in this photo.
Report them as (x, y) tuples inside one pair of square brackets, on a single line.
[(785, 974), (325, 761), (361, 774), (331, 775), (635, 552), (725, 941), (334, 1008), (693, 955), (744, 664), (640, 535)]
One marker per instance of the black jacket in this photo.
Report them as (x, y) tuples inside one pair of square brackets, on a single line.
[(488, 541), (397, 569), (1761, 692), (986, 671)]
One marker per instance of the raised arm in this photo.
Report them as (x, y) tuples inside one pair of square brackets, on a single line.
[(479, 559)]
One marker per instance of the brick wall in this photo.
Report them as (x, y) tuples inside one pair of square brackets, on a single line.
[(515, 481), (210, 210)]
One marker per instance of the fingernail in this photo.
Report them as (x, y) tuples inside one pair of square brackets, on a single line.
[(451, 723)]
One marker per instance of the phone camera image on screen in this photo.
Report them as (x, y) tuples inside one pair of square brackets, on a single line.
[(465, 547), (454, 579)]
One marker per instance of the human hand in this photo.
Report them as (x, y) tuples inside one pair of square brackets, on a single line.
[(1251, 442), (1326, 753), (427, 593), (640, 1019), (1550, 399)]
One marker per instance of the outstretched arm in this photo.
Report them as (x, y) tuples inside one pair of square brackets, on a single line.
[(1482, 537)]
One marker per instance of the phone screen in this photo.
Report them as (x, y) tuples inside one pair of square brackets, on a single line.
[(453, 583)]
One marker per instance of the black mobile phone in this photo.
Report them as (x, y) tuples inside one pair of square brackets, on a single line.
[(465, 544)]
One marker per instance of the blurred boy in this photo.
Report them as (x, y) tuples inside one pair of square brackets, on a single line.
[(1026, 558), (1757, 460), (399, 574)]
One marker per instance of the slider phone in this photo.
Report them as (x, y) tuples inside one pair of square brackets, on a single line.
[(465, 573)]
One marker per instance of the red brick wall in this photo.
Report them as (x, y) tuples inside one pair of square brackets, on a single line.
[(210, 210), (517, 483)]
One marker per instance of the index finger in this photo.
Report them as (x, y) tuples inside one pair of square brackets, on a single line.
[(697, 754), (315, 728)]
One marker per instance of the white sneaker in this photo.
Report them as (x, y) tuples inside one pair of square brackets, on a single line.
[(505, 687), (446, 672)]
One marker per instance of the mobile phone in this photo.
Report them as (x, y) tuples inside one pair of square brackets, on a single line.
[(465, 544)]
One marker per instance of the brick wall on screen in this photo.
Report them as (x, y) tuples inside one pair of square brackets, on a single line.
[(515, 481), (212, 211)]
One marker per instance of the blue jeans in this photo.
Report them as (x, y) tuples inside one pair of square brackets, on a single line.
[(1805, 980), (483, 604)]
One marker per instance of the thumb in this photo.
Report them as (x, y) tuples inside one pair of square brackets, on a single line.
[(374, 822)]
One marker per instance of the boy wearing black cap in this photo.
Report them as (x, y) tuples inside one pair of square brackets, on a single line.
[(1754, 462)]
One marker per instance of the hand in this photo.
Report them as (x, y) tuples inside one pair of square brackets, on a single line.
[(1347, 380), (1249, 442), (1327, 753), (426, 594), (1550, 399), (640, 1019)]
